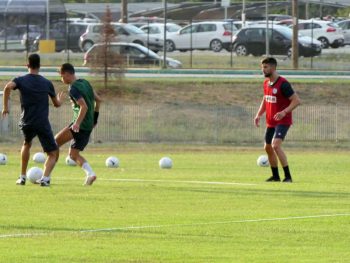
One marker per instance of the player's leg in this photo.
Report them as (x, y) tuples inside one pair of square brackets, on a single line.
[(25, 155), (280, 134), (28, 134), (49, 145), (63, 136), (271, 155), (78, 144)]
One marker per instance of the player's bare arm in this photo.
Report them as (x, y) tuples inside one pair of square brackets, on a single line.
[(7, 91), (58, 99), (98, 101), (261, 111), (294, 102), (82, 112)]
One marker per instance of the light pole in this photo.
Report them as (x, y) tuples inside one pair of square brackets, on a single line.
[(164, 36), (267, 39), (243, 14)]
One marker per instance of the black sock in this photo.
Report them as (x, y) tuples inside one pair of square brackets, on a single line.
[(286, 172), (275, 173)]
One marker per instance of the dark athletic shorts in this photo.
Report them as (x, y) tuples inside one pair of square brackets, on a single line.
[(80, 139), (279, 132), (44, 133)]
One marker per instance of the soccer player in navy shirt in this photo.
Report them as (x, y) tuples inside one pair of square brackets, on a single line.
[(278, 103), (34, 91)]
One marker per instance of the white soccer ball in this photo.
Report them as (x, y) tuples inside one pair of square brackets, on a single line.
[(70, 162), (263, 161), (34, 174), (3, 159), (112, 162), (165, 163), (39, 157)]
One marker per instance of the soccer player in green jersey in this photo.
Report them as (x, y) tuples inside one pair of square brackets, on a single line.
[(86, 104)]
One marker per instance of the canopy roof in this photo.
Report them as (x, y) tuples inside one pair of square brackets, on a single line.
[(31, 6)]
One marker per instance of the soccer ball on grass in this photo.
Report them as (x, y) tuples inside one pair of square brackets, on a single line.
[(34, 174), (165, 163), (3, 159), (263, 161), (112, 162), (39, 157)]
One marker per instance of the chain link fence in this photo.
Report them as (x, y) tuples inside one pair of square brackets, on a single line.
[(202, 124)]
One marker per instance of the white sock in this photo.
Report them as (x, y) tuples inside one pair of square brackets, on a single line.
[(23, 176), (87, 168)]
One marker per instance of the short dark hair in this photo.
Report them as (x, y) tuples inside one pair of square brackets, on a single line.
[(67, 67), (269, 60), (34, 61)]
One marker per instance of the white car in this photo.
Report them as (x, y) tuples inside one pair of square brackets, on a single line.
[(157, 29), (345, 26), (125, 33), (328, 33), (203, 35)]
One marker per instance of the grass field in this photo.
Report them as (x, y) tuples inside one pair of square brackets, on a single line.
[(213, 206)]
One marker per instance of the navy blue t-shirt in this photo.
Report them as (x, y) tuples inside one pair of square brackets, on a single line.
[(34, 94)]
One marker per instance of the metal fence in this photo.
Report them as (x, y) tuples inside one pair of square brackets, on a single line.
[(188, 123)]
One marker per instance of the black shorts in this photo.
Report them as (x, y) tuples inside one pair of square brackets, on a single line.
[(279, 132), (80, 139), (44, 133)]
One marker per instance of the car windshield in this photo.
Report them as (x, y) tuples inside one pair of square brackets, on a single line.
[(333, 25), (172, 28), (148, 51), (288, 32), (133, 29)]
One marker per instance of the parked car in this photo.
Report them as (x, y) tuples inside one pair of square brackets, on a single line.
[(125, 33), (203, 35), (131, 53), (329, 33), (157, 29), (14, 37), (252, 40), (345, 26), (64, 40)]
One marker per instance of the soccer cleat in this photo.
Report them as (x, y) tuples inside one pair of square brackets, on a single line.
[(287, 180), (43, 182), (21, 181), (273, 179), (90, 180)]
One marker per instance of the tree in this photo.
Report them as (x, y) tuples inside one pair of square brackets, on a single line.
[(105, 60)]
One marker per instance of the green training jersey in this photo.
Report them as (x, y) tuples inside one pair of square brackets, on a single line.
[(81, 88)]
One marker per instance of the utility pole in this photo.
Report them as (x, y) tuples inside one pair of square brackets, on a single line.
[(124, 14), (295, 42), (267, 35)]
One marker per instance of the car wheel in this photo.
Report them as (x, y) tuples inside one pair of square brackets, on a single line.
[(324, 42), (87, 45), (170, 46), (289, 52), (241, 50), (216, 45), (335, 45)]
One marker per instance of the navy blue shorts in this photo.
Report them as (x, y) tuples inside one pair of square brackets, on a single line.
[(44, 133), (279, 132), (80, 139)]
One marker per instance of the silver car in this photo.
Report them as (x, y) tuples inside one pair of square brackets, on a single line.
[(124, 33), (345, 26)]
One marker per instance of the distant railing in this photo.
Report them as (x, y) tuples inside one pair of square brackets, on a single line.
[(188, 123)]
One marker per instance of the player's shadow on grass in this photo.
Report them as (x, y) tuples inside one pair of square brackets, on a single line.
[(261, 192)]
